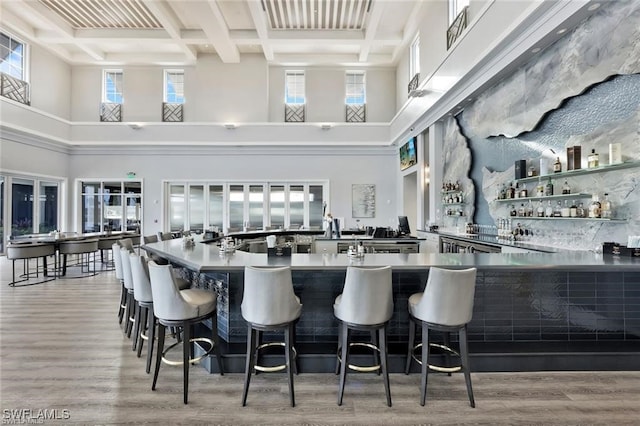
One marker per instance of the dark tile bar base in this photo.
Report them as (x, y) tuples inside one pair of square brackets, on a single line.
[(522, 321)]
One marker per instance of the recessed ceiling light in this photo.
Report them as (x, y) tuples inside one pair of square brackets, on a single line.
[(593, 7), (562, 31), (535, 50)]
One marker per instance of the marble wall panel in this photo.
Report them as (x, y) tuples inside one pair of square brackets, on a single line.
[(580, 91), (606, 44)]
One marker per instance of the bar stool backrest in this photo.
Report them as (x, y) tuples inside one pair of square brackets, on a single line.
[(268, 297), (126, 243), (117, 261), (126, 269), (165, 236), (367, 296), (140, 275), (448, 297), (168, 302), (148, 239)]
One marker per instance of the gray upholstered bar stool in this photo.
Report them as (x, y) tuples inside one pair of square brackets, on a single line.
[(445, 305), (127, 278), (82, 248), (145, 321), (150, 239), (268, 304), (366, 304), (117, 262), (182, 308), (26, 252)]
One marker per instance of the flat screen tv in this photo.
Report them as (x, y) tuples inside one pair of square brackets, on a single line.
[(408, 154), (403, 225)]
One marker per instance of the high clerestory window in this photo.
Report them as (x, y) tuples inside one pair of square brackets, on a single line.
[(112, 90), (13, 57), (174, 86), (355, 88), (294, 88), (414, 58), (294, 97), (455, 7)]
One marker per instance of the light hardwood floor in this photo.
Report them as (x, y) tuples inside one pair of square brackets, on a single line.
[(62, 348)]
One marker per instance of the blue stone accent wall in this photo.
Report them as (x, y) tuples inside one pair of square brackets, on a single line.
[(583, 90)]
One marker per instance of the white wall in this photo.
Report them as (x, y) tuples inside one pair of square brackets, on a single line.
[(33, 160), (50, 83), (235, 93), (342, 169)]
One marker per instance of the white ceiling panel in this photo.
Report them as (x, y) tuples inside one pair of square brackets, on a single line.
[(92, 31)]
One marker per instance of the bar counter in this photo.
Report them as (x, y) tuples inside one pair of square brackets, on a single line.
[(533, 311), (206, 257)]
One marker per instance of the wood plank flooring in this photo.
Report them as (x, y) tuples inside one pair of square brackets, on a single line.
[(61, 348)]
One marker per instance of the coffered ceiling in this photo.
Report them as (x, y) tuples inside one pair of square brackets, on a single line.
[(287, 32)]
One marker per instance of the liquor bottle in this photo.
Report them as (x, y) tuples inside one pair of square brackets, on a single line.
[(566, 189), (511, 191), (513, 211), (566, 209), (557, 209), (521, 211), (592, 159), (540, 188), (557, 166), (540, 210), (524, 193), (573, 210), (529, 209), (548, 189), (531, 172), (580, 211), (595, 207), (548, 212), (606, 208), (516, 190)]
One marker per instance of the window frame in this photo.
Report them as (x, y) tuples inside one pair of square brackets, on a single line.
[(295, 73), (363, 84), (414, 57), (454, 9), (104, 96), (166, 80), (25, 69)]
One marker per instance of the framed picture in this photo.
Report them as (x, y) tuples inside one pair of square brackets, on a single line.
[(363, 200)]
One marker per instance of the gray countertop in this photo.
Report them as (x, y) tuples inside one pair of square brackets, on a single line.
[(206, 257)]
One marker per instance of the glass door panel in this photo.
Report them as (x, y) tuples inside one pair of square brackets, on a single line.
[(276, 206), (316, 206), (21, 207), (296, 206), (236, 207), (196, 208), (112, 207), (176, 207), (133, 203), (216, 206), (48, 207), (256, 206), (91, 207)]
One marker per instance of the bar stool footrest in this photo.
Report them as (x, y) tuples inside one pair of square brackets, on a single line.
[(192, 360), (438, 368), (274, 368), (362, 368)]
